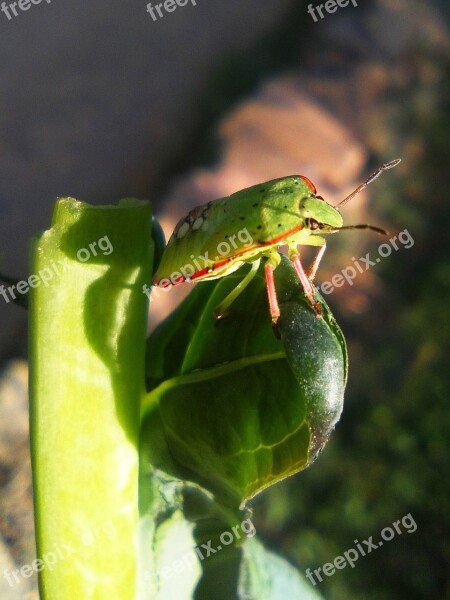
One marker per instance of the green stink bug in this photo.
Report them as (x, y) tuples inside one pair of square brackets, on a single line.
[(249, 225)]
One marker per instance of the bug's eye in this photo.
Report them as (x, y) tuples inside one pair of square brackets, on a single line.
[(312, 224)]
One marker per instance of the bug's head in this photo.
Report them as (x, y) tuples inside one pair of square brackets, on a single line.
[(319, 216)]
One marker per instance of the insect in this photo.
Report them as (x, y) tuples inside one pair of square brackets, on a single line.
[(216, 239)]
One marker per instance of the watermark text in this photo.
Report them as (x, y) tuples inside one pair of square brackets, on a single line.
[(156, 11), (188, 561), (363, 548), (61, 552), (45, 275), (330, 6), (364, 263)]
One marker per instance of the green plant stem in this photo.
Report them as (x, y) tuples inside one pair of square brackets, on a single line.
[(87, 341)]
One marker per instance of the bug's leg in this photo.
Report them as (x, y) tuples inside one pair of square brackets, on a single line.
[(272, 263), (303, 278), (315, 264), (220, 310), (272, 294)]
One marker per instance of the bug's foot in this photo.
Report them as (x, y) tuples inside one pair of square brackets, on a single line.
[(221, 316), (317, 308), (276, 328)]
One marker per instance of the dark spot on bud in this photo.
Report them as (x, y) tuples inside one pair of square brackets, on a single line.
[(259, 227), (255, 205)]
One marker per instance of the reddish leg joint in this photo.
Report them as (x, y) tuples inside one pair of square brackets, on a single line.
[(306, 284), (273, 302)]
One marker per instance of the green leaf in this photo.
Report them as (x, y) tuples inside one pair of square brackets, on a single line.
[(266, 576), (159, 241), (232, 407), (16, 297), (199, 552)]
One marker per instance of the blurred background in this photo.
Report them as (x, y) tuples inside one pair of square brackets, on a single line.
[(100, 101)]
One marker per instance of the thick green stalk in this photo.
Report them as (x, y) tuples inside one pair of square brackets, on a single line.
[(88, 324)]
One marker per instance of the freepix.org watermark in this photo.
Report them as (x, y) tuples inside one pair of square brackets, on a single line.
[(188, 561), (156, 11), (363, 548), (46, 275), (242, 239), (364, 263), (330, 6), (10, 10), (60, 552)]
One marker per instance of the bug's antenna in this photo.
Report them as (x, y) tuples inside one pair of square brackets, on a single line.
[(372, 227), (371, 178)]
